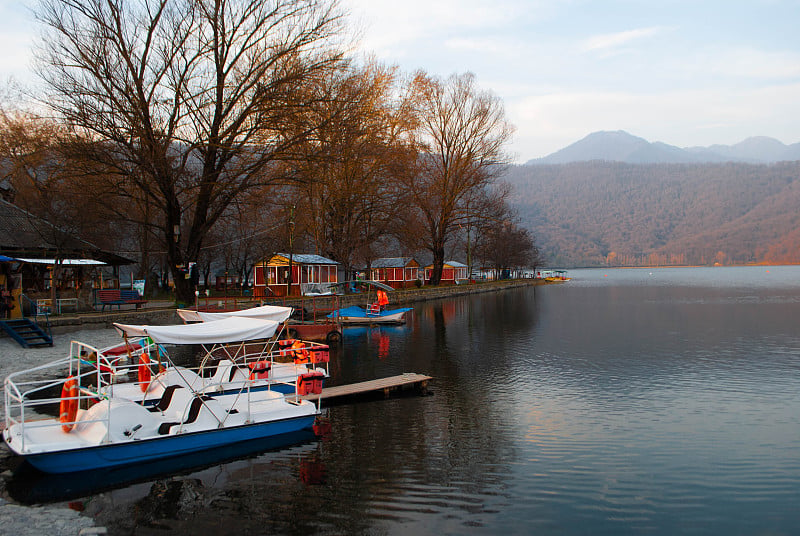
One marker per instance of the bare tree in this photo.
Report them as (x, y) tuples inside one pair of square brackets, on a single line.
[(504, 246), (251, 230), (184, 104), (461, 134)]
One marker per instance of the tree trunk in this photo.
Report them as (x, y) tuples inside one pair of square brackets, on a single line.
[(438, 265)]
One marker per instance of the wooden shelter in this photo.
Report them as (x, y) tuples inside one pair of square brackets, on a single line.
[(452, 272), (286, 274), (47, 262), (397, 272)]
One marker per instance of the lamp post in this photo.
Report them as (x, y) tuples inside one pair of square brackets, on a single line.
[(291, 250)]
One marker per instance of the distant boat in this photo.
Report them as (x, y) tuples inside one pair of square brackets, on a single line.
[(553, 275)]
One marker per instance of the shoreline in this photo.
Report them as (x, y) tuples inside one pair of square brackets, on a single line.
[(163, 311)]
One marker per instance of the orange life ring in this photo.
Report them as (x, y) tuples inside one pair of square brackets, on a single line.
[(144, 372), (68, 408)]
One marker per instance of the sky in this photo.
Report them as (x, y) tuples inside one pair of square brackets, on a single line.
[(686, 73)]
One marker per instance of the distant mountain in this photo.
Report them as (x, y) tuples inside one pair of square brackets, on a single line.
[(614, 213), (756, 149), (619, 146)]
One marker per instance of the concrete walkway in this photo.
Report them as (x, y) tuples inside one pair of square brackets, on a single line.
[(57, 520)]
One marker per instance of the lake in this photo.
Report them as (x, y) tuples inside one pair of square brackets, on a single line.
[(625, 401)]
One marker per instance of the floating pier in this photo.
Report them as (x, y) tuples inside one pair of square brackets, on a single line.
[(381, 386)]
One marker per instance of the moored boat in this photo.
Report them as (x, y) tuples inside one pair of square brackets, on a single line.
[(376, 310), (94, 423), (360, 315)]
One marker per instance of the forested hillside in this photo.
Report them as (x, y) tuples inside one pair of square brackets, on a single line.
[(612, 213)]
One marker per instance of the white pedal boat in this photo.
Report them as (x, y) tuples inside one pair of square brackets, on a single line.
[(99, 426)]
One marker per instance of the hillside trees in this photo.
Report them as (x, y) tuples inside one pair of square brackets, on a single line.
[(461, 133), (184, 105), (611, 213)]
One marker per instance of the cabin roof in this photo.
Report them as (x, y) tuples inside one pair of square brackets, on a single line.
[(24, 235), (300, 258), (449, 264), (393, 262)]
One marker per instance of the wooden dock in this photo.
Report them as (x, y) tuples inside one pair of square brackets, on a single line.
[(381, 386)]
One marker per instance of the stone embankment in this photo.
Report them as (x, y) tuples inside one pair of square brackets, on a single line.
[(434, 293)]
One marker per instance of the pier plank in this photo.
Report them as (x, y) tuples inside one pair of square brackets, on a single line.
[(388, 384)]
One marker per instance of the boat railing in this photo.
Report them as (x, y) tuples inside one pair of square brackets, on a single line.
[(35, 398), (317, 354), (32, 401)]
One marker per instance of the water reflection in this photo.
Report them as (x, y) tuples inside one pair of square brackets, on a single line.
[(607, 405), (28, 485)]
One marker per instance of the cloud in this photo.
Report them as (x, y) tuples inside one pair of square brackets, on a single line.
[(753, 63), (550, 122), (615, 40), (396, 28), (477, 45)]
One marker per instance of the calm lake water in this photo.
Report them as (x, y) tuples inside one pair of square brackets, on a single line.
[(655, 401)]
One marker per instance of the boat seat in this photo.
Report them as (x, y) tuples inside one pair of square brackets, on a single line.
[(194, 411), (166, 427), (196, 407), (173, 376), (227, 371), (166, 398), (223, 369)]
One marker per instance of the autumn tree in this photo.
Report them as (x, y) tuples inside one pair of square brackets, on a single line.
[(351, 194), (184, 104), (461, 133)]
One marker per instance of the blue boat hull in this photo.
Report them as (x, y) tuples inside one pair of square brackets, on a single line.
[(28, 485), (145, 450), (358, 315)]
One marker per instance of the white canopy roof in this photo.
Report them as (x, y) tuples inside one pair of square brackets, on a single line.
[(265, 312), (74, 262), (225, 330)]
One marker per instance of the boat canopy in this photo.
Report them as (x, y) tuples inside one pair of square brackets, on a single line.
[(222, 331), (366, 284), (265, 312)]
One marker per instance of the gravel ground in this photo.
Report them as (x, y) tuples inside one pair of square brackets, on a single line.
[(51, 520)]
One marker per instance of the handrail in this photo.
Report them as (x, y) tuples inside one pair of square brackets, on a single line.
[(32, 306), (35, 308)]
